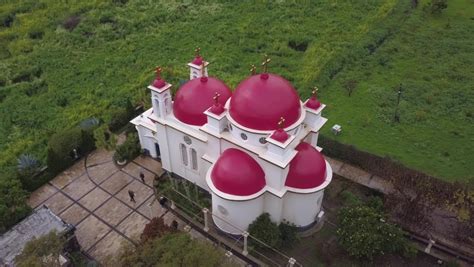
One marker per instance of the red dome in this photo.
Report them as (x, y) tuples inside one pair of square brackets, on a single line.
[(280, 135), (197, 60), (261, 100), (196, 96), (159, 83), (236, 173), (307, 168), (313, 103)]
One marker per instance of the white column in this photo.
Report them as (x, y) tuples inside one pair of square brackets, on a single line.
[(245, 252), (430, 244), (206, 223), (291, 262)]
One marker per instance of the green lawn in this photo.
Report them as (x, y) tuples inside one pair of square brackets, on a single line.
[(52, 78)]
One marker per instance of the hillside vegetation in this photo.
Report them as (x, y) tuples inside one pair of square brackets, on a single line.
[(64, 61)]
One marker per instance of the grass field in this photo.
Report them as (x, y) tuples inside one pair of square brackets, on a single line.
[(52, 77)]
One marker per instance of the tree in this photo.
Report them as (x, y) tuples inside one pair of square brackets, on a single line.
[(176, 249), (266, 231), (156, 228), (364, 232), (350, 85), (43, 251), (12, 203), (437, 6)]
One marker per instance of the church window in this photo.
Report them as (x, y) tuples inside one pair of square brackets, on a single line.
[(187, 140), (262, 140), (184, 154), (230, 127), (243, 136), (194, 161)]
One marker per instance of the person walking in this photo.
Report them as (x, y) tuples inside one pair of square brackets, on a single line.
[(142, 177), (131, 194)]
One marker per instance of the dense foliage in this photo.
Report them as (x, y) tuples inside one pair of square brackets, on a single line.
[(364, 232), (177, 249), (13, 205), (156, 228), (65, 146), (266, 231), (129, 150), (42, 252), (62, 62)]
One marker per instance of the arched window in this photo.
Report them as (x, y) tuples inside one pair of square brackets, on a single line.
[(194, 160), (184, 154)]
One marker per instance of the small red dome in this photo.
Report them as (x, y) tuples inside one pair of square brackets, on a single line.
[(196, 96), (313, 103), (307, 168), (159, 83), (261, 100), (236, 173), (217, 109), (197, 60), (280, 135)]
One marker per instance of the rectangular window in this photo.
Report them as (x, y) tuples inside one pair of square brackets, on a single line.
[(194, 160), (184, 154)]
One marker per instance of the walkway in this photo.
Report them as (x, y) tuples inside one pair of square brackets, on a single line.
[(95, 200)]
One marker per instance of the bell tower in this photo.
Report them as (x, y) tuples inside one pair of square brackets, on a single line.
[(160, 96), (197, 67)]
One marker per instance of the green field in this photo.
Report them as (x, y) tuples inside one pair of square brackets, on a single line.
[(52, 77)]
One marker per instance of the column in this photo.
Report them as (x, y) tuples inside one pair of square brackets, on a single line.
[(206, 223), (245, 251)]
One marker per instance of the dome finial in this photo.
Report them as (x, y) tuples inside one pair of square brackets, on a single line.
[(314, 92), (216, 98), (253, 69), (265, 63), (203, 71), (281, 123), (197, 51), (158, 71)]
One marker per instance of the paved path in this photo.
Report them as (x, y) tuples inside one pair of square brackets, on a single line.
[(94, 198)]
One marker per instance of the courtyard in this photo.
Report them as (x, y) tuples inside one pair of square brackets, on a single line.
[(93, 196)]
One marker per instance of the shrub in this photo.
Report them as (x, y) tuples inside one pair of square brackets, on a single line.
[(71, 22), (266, 231), (61, 146), (129, 150), (104, 138), (364, 233), (156, 228), (120, 118), (436, 6), (13, 205), (288, 233)]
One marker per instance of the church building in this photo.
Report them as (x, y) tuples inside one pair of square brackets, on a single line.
[(254, 149)]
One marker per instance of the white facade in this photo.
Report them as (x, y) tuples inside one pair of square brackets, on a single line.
[(191, 152)]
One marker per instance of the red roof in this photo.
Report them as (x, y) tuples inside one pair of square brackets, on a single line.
[(261, 100), (196, 96), (236, 173), (280, 135), (197, 60), (159, 83), (313, 103), (307, 168)]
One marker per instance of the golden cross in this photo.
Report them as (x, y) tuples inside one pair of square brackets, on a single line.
[(158, 70), (315, 90), (265, 63), (216, 98), (196, 51), (253, 69), (281, 122)]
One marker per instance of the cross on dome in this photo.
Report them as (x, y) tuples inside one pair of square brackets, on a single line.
[(315, 90), (265, 63), (196, 51), (280, 135), (158, 82), (281, 123), (253, 69), (216, 98), (158, 71), (217, 108), (198, 60), (203, 72), (313, 101)]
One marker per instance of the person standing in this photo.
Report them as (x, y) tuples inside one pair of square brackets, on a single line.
[(131, 194)]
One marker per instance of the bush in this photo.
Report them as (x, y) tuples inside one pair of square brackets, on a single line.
[(13, 205), (129, 150), (288, 233), (364, 233), (266, 231), (71, 22), (61, 146), (45, 249), (436, 6), (121, 117), (156, 228)]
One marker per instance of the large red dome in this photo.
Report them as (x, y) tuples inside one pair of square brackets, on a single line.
[(261, 100), (236, 173), (307, 168), (196, 96)]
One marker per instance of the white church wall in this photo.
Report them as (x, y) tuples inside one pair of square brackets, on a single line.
[(274, 206), (239, 213), (186, 157), (147, 140), (302, 209), (162, 137)]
